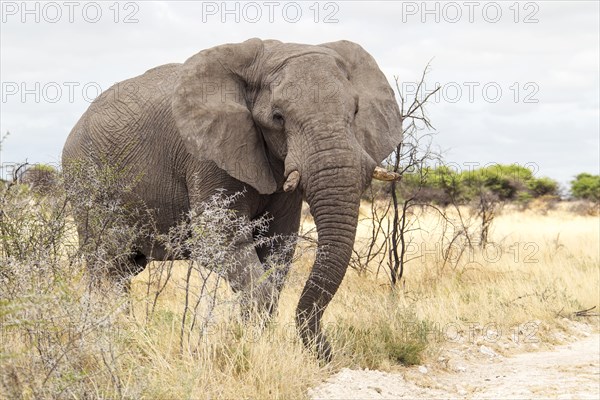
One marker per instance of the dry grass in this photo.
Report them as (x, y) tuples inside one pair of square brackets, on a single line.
[(539, 268)]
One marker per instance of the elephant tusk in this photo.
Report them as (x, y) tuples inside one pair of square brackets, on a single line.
[(382, 174), (292, 181)]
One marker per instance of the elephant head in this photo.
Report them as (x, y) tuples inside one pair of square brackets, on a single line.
[(280, 116)]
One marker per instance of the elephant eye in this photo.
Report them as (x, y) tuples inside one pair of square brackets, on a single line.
[(278, 118)]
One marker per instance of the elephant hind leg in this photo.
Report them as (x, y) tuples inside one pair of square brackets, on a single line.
[(125, 270)]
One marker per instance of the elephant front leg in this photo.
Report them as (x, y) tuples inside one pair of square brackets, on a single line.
[(261, 270), (247, 277), (277, 254)]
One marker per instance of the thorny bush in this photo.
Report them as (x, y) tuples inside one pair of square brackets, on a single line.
[(66, 330)]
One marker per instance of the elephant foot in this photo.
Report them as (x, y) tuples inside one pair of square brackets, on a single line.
[(259, 305), (258, 295), (313, 338), (319, 345), (322, 348)]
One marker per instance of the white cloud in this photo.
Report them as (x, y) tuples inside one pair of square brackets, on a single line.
[(559, 54)]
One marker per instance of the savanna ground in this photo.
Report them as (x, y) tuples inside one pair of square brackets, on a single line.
[(60, 339)]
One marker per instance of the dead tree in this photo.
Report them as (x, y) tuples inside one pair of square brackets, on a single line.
[(392, 218)]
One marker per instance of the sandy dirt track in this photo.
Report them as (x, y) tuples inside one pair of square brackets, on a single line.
[(567, 372)]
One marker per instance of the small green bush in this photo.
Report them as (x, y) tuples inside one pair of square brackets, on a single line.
[(399, 338), (586, 186), (542, 187)]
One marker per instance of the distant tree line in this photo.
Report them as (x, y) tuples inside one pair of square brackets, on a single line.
[(444, 185), (440, 185)]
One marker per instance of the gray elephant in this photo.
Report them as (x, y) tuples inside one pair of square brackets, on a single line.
[(281, 121)]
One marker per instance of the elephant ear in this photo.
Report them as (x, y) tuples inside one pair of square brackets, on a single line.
[(212, 116), (378, 122)]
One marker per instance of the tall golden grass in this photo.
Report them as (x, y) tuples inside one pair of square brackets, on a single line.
[(536, 271)]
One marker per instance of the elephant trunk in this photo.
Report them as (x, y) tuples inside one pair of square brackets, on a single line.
[(333, 194)]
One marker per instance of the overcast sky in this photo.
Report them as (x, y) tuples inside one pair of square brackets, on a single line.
[(520, 81)]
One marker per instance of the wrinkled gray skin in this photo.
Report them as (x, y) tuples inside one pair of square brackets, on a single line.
[(244, 116)]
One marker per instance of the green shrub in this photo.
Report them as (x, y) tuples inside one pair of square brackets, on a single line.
[(586, 186), (542, 187), (398, 338)]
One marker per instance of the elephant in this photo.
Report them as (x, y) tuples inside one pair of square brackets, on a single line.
[(282, 122)]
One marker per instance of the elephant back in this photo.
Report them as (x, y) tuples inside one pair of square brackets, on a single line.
[(126, 119)]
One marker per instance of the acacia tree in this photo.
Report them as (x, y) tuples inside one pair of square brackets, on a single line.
[(586, 186)]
